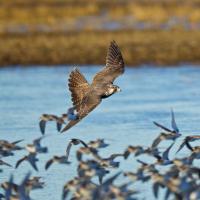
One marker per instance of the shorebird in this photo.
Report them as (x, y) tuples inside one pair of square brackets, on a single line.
[(57, 159), (33, 149), (74, 141), (31, 158), (34, 183), (183, 161), (79, 187), (122, 192), (30, 184), (10, 145), (170, 135), (6, 153), (85, 151), (104, 188), (158, 181), (145, 167), (136, 150), (70, 186), (174, 126), (186, 141), (109, 161), (20, 191), (195, 150), (90, 169), (5, 186), (36, 147), (138, 176), (164, 136), (139, 150), (7, 148), (160, 159), (181, 187), (96, 144), (48, 117), (164, 159), (86, 97)]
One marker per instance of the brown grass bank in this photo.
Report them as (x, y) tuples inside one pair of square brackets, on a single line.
[(138, 47)]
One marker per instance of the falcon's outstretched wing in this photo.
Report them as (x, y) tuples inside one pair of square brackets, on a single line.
[(78, 87), (114, 66)]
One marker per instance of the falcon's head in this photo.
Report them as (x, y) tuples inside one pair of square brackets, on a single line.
[(111, 89), (116, 88)]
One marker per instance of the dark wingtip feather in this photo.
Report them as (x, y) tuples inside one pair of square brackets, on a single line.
[(181, 146), (59, 126), (156, 189), (126, 154), (42, 125), (18, 141), (18, 163), (48, 164)]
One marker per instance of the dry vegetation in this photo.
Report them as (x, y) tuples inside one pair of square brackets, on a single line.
[(52, 13), (138, 47)]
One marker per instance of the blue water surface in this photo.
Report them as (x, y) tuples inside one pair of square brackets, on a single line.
[(148, 94)]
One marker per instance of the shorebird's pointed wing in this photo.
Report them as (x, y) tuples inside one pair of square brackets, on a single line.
[(5, 163), (141, 162), (20, 161), (26, 178), (156, 187), (173, 122), (65, 192), (42, 125), (167, 193), (22, 188), (68, 149), (48, 164), (16, 142), (114, 66), (189, 146), (162, 127), (78, 87), (59, 126), (78, 155), (157, 141), (181, 146), (111, 179), (8, 191), (36, 142), (32, 160), (83, 143), (165, 155), (115, 155)]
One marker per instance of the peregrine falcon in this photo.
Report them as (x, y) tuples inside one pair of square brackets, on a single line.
[(85, 96)]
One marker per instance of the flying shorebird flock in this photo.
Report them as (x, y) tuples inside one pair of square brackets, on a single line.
[(177, 177), (174, 176)]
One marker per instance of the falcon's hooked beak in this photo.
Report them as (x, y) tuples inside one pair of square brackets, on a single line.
[(118, 89)]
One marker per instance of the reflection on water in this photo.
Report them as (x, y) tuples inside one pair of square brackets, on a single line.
[(125, 118)]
